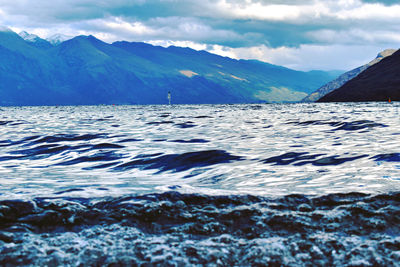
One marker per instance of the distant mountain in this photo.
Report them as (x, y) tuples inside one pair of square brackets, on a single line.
[(342, 79), (28, 37), (85, 70), (377, 83), (58, 38), (35, 40)]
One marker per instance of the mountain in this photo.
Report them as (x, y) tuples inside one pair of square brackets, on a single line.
[(35, 40), (86, 70), (379, 82), (58, 38), (29, 37), (342, 79)]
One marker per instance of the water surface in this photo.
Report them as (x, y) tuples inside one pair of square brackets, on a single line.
[(261, 184)]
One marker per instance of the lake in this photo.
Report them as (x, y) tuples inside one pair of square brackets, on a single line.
[(241, 185)]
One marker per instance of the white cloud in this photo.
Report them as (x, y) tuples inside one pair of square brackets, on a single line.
[(370, 11), (301, 34), (168, 29), (355, 36), (135, 28), (311, 57), (304, 57), (167, 43), (261, 12), (308, 11)]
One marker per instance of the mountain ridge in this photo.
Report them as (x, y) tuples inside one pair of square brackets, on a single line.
[(86, 70), (379, 82), (345, 77)]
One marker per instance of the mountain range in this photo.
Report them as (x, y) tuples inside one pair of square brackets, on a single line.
[(86, 70), (345, 77), (379, 82)]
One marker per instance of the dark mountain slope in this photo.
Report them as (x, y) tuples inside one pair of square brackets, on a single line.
[(377, 83), (342, 79)]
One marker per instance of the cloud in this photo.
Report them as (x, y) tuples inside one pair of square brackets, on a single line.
[(384, 2), (305, 57), (230, 27), (310, 56), (356, 36)]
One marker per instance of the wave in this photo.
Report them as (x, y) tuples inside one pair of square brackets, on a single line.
[(342, 125), (391, 157), (179, 162), (190, 229), (110, 154), (303, 158), (191, 141)]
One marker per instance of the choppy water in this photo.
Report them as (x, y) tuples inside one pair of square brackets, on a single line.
[(291, 184)]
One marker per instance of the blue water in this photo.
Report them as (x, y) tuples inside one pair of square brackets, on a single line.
[(281, 184)]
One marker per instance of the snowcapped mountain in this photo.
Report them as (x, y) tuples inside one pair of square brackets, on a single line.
[(58, 38), (54, 39), (29, 37), (35, 40)]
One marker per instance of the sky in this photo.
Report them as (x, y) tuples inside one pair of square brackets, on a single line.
[(299, 34)]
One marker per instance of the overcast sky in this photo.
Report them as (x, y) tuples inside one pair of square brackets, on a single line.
[(299, 34)]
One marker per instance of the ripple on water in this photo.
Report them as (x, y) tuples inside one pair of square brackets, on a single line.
[(299, 159), (391, 157), (259, 149), (192, 229), (179, 162), (76, 189), (70, 138), (191, 141), (346, 126)]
